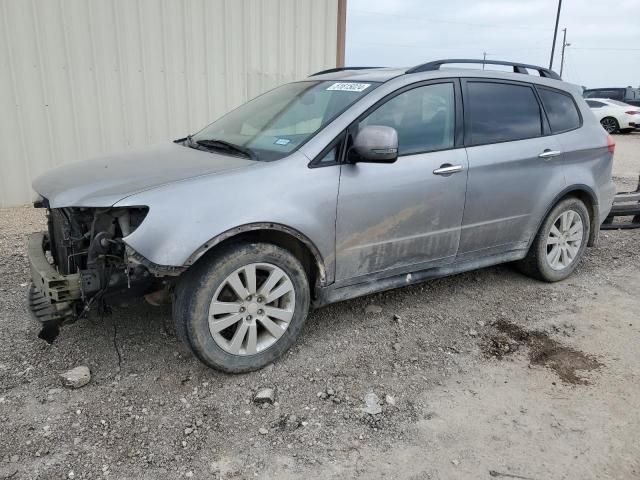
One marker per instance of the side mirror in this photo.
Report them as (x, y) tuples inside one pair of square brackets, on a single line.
[(376, 144)]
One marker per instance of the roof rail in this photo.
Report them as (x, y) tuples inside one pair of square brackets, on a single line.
[(517, 67), (340, 69)]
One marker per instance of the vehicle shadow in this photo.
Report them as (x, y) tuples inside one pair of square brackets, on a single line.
[(405, 323)]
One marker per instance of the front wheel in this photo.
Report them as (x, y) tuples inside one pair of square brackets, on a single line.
[(560, 243), (243, 307)]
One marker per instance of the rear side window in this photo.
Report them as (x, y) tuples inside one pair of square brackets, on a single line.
[(501, 112), (561, 110)]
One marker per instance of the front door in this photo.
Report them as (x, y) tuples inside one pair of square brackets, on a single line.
[(405, 216)]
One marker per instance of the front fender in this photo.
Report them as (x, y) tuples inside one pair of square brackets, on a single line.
[(186, 217), (264, 227)]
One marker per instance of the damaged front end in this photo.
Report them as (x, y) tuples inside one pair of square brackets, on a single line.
[(82, 262)]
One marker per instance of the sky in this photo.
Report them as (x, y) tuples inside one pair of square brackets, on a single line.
[(604, 36)]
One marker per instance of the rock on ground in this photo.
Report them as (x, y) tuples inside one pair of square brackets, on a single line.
[(265, 395), (372, 403), (76, 377)]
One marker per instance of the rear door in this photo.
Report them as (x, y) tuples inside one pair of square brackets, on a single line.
[(405, 216), (515, 166)]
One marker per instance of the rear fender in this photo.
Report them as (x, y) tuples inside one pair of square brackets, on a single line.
[(588, 196)]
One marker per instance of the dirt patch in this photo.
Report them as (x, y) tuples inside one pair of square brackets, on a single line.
[(543, 350)]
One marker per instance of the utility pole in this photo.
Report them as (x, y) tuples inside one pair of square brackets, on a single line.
[(555, 34), (484, 58), (564, 45)]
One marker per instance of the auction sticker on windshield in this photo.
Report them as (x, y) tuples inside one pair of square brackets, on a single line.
[(349, 86)]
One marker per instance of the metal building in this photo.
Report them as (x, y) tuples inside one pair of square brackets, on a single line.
[(79, 78)]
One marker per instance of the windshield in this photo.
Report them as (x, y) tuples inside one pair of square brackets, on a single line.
[(276, 123)]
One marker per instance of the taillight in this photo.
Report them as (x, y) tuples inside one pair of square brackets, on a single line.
[(632, 112), (611, 145)]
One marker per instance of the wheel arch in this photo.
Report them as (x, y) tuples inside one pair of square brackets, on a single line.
[(283, 236), (614, 118), (589, 198)]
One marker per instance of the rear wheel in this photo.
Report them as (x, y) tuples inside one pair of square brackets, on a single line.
[(243, 308), (560, 243), (610, 124)]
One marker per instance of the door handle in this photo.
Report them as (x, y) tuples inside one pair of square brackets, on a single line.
[(447, 169), (548, 153)]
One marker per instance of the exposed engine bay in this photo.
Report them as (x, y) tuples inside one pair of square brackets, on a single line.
[(84, 264)]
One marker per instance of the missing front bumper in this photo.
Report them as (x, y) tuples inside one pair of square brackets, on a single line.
[(51, 295), (55, 286)]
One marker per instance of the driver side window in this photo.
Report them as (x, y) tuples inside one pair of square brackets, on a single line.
[(424, 118)]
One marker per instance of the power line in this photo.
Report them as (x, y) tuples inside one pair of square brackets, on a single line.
[(508, 49), (451, 22), (425, 47), (607, 48)]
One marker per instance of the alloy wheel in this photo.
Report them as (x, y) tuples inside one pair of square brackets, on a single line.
[(564, 240), (609, 124), (251, 309)]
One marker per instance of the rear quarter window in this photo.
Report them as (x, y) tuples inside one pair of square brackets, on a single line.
[(561, 110)]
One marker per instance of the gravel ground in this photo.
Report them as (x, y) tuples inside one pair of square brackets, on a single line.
[(626, 156), (482, 375)]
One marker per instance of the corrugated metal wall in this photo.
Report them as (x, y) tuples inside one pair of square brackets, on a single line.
[(83, 77)]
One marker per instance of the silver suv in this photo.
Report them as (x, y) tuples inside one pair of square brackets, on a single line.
[(349, 182)]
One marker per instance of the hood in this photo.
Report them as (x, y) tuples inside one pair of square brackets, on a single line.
[(103, 181)]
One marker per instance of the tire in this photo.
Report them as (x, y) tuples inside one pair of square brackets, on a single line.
[(223, 348), (538, 262), (610, 124)]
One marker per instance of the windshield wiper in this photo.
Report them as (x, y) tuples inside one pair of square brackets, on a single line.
[(228, 146)]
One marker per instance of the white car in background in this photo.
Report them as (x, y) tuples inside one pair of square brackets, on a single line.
[(614, 115)]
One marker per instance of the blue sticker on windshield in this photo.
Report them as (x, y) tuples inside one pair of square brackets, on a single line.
[(282, 141)]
